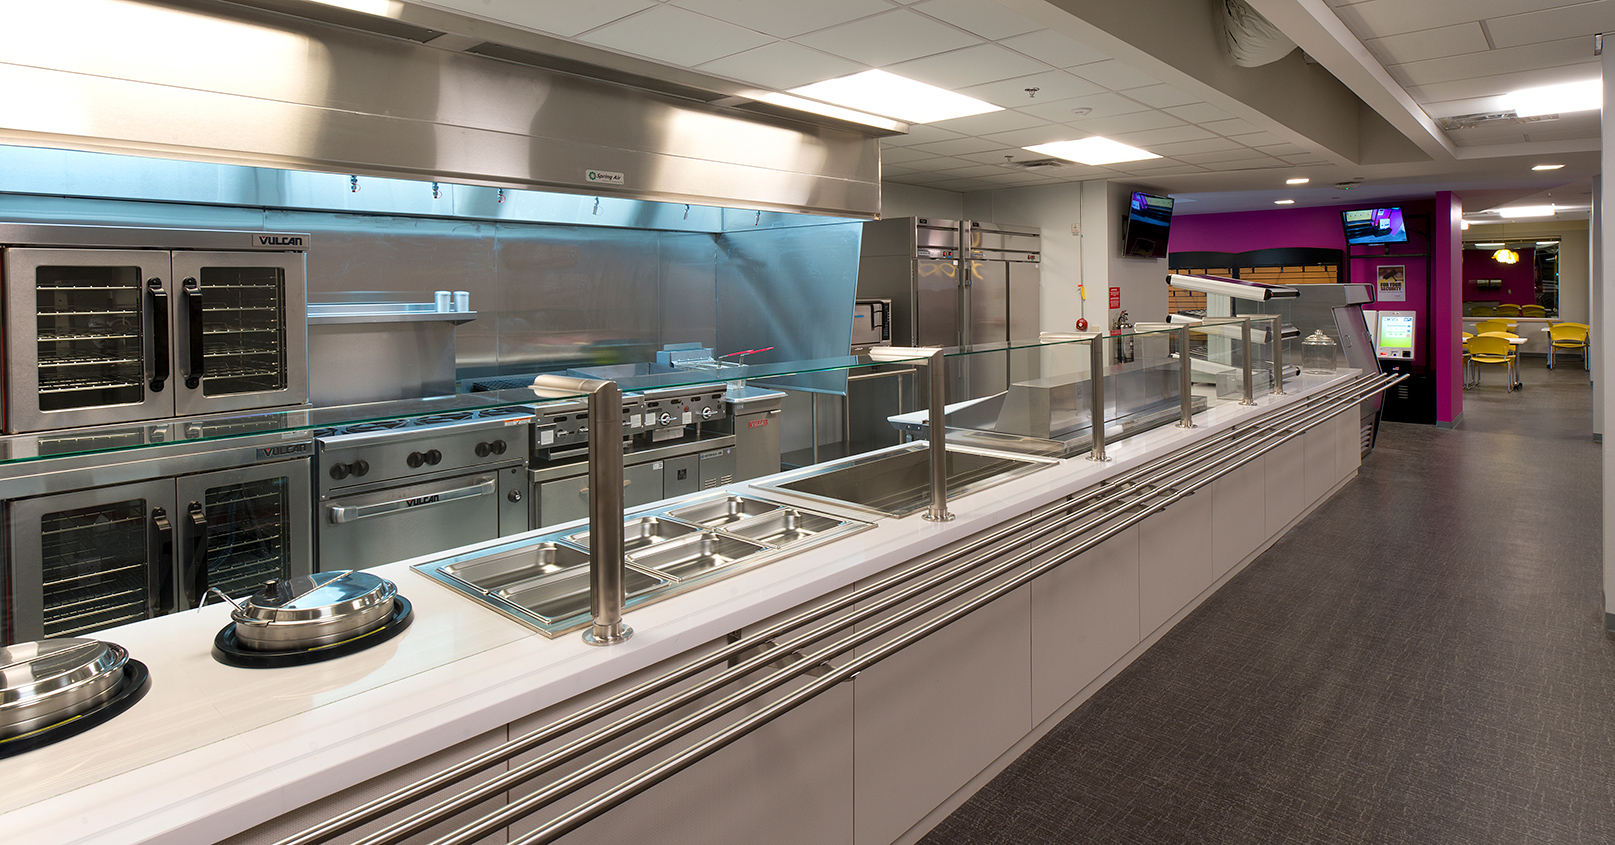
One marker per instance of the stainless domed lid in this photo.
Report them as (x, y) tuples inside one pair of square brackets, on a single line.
[(323, 595), (46, 681)]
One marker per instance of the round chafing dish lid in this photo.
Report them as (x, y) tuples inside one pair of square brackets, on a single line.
[(322, 595), (34, 670)]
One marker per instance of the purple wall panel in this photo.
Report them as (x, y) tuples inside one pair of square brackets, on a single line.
[(1519, 280)]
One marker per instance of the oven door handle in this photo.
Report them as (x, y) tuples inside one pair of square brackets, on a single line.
[(159, 334), (344, 513), (162, 601), (195, 566), (193, 303)]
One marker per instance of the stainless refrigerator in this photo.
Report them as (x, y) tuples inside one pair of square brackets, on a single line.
[(957, 284)]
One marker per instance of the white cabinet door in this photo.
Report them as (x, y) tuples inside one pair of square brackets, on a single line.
[(934, 715), (1084, 618), (1286, 484), (1173, 567), (1238, 516)]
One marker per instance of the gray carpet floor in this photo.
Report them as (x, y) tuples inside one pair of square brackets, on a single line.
[(1422, 660)]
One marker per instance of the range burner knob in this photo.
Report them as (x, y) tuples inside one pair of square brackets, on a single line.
[(415, 460), (665, 418), (708, 413), (359, 468), (483, 450), (434, 457), (497, 447), (339, 471)]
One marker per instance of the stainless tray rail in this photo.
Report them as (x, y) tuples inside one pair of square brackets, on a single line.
[(1107, 510)]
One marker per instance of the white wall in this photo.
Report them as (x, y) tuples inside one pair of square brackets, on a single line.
[(912, 201), (1053, 209)]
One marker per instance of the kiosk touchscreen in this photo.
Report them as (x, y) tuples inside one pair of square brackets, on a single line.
[(1394, 339)]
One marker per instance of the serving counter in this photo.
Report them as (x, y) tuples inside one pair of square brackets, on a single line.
[(216, 753)]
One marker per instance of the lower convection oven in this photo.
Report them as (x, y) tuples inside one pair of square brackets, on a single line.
[(92, 541)]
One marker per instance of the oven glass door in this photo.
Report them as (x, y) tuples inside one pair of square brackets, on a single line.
[(239, 528), (369, 529), (84, 561), (242, 331), (87, 337)]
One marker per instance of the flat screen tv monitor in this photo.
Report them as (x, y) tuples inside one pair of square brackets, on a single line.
[(1149, 218), (1374, 226), (1395, 336)]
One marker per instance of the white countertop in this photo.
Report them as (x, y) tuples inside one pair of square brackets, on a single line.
[(214, 749)]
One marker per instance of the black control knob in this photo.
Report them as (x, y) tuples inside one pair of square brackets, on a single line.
[(514, 496), (339, 471), (359, 468), (434, 457), (498, 447), (415, 460), (483, 450)]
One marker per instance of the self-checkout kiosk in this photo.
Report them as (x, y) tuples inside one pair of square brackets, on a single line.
[(1394, 334)]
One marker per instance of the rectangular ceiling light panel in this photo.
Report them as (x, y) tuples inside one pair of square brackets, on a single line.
[(890, 95), (1557, 99), (1092, 151)]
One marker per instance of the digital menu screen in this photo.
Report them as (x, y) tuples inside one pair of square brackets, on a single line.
[(1374, 226)]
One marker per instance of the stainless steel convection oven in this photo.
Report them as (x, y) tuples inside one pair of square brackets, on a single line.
[(114, 325), (117, 524)]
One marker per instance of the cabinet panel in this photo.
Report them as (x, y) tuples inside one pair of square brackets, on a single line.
[(1319, 445), (1084, 618), (929, 718), (1173, 567), (1285, 469), (1238, 516), (1348, 441)]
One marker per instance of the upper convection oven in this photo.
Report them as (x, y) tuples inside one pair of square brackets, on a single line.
[(110, 325)]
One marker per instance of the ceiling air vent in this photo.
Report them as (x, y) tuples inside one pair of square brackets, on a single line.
[(1470, 121), (1038, 164)]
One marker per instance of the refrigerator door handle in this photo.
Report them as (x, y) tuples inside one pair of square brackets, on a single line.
[(193, 302), (162, 600), (161, 365), (195, 566)]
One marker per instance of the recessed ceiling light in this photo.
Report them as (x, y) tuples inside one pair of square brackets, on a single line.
[(1527, 211), (1547, 167), (1489, 246), (1556, 99), (1092, 151), (1302, 180), (879, 92), (1284, 202), (1547, 243), (816, 107)]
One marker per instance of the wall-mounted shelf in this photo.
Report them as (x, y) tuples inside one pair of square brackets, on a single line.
[(342, 313)]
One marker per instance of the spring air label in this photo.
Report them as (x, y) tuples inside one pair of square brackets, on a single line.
[(603, 177), (285, 450), (421, 500)]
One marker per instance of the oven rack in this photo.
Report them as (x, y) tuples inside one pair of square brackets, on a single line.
[(81, 361), (80, 312), (67, 336), (79, 385)]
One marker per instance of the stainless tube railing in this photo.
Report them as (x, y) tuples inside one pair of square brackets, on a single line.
[(1276, 339), (1185, 379), (932, 358), (1152, 478), (1096, 382), (607, 569), (1249, 394)]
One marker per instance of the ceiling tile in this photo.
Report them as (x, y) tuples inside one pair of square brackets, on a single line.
[(975, 171), (896, 36), (1553, 24), (1560, 135), (1424, 44), (974, 65), (1049, 46), (959, 146), (919, 133), (1568, 51), (1498, 84), (1053, 86), (1230, 127), (1221, 156), (1161, 96), (562, 17), (964, 185), (781, 65), (1114, 75), (1204, 145), (1098, 105), (1258, 139), (1281, 149), (1136, 122), (997, 156), (1380, 18), (1040, 135), (998, 121), (784, 20), (675, 36), (1163, 136), (901, 155), (988, 20), (1199, 113)]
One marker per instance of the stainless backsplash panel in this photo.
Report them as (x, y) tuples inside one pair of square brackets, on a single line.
[(791, 289)]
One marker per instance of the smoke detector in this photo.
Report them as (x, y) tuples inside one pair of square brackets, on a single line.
[(1470, 121)]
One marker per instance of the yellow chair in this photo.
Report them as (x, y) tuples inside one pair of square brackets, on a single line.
[(1533, 311), (1468, 365), (1483, 311), (1508, 309), (1485, 326), (1493, 349), (1567, 336)]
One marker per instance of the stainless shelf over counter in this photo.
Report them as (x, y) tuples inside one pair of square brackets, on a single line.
[(344, 313)]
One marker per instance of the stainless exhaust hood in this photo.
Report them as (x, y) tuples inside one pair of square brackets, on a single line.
[(225, 82)]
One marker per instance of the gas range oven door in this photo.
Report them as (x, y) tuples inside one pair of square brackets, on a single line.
[(361, 530)]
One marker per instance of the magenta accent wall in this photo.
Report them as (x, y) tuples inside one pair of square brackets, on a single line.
[(1242, 231), (1519, 280)]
